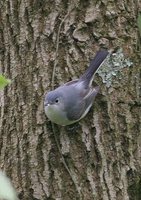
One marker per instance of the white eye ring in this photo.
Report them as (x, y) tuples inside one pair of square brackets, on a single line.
[(57, 100)]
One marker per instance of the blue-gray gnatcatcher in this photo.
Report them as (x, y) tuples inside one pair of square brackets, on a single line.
[(70, 102)]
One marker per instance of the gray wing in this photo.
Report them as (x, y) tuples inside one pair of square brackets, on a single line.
[(78, 110)]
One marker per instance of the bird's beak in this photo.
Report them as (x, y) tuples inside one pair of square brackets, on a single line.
[(47, 104)]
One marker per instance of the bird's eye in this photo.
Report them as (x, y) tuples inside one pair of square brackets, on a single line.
[(56, 101)]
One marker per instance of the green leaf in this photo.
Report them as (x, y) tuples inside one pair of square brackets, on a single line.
[(3, 81), (139, 23)]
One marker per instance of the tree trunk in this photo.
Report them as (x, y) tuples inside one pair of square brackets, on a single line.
[(99, 157)]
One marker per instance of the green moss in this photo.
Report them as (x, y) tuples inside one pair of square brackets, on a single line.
[(112, 67)]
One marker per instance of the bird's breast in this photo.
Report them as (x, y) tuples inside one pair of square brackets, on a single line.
[(56, 115)]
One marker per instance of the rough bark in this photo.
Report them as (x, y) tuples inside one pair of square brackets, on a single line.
[(102, 153)]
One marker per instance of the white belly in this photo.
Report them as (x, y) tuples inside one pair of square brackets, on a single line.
[(57, 116)]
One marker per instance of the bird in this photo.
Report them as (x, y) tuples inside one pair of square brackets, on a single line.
[(71, 101)]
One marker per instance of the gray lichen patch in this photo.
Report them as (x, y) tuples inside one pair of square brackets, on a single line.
[(112, 67)]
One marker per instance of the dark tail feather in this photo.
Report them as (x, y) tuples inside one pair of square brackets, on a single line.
[(94, 65)]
